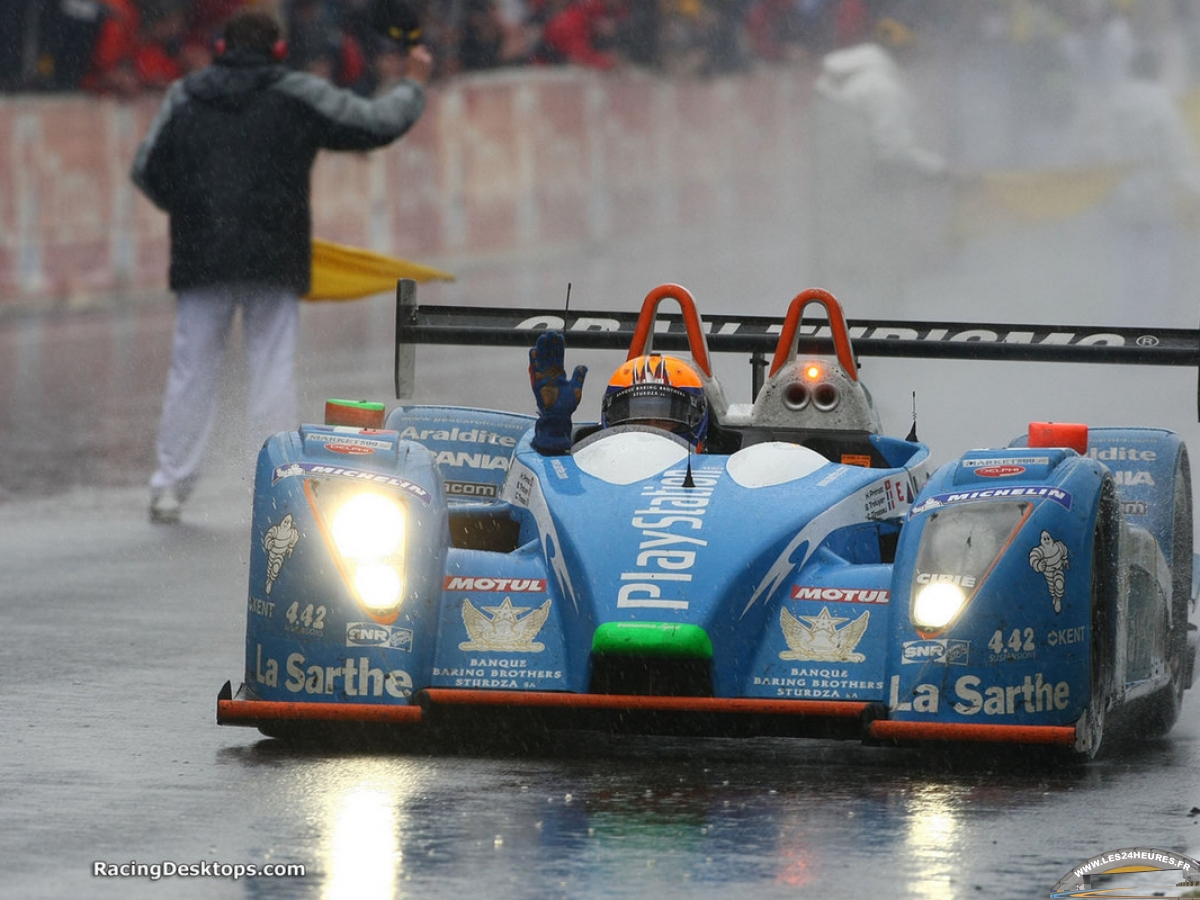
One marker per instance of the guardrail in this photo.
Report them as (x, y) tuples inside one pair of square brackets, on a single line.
[(503, 162)]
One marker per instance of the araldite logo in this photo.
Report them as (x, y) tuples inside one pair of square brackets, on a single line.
[(1141, 871), (999, 471)]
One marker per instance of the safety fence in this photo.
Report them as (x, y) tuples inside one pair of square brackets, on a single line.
[(506, 162)]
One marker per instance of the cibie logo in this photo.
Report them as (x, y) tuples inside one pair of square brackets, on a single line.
[(349, 449), (1133, 872)]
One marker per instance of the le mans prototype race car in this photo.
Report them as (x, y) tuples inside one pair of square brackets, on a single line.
[(804, 575)]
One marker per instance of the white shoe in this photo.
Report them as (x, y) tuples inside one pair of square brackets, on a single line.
[(165, 507)]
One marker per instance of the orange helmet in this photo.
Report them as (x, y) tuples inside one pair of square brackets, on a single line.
[(657, 390)]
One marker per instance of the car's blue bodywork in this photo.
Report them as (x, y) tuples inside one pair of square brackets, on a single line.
[(774, 585)]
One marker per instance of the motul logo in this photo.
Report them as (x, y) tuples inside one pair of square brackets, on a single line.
[(511, 585), (840, 595)]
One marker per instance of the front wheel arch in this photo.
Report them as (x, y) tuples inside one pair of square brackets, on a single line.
[(1164, 707), (1105, 585)]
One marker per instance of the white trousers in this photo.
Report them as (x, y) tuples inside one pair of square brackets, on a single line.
[(203, 319)]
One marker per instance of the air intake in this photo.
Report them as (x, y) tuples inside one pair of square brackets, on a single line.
[(651, 659)]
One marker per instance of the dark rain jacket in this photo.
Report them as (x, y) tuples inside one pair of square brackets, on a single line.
[(229, 159)]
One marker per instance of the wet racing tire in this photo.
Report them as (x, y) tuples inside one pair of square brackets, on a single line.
[(1162, 709), (1105, 584)]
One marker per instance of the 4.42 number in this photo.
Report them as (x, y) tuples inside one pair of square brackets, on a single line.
[(310, 617), (1019, 641)]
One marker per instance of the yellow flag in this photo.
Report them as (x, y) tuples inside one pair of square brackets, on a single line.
[(349, 273), (1189, 106), (996, 200)]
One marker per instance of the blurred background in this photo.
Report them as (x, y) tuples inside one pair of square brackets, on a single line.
[(985, 161), (1003, 161)]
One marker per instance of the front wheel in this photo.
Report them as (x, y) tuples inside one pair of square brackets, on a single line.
[(1089, 731), (1164, 707)]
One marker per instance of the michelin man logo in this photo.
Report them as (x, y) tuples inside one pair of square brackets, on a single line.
[(1050, 558), (279, 542)]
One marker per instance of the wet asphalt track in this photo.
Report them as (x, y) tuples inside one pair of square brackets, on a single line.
[(117, 635)]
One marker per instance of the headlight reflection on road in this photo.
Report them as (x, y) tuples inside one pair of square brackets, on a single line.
[(932, 829), (363, 858)]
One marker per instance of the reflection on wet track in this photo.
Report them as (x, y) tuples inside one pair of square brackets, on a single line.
[(598, 816)]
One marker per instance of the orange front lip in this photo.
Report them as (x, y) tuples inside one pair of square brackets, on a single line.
[(824, 709), (888, 729), (242, 711), (252, 712)]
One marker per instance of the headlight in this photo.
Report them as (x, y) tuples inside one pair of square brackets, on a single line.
[(368, 526), (378, 586), (959, 546), (368, 532), (936, 605)]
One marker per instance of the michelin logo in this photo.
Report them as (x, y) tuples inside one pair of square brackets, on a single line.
[(1032, 492)]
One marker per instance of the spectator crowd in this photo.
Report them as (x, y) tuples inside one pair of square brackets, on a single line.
[(126, 47)]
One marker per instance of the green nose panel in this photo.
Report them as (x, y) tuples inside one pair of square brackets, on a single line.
[(662, 639)]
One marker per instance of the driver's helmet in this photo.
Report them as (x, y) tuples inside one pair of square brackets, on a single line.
[(661, 391)]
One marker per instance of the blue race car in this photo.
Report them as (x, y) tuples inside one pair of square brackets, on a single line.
[(427, 571)]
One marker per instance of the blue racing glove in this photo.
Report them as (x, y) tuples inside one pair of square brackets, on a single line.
[(556, 395)]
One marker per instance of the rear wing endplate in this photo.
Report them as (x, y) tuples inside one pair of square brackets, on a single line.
[(759, 335)]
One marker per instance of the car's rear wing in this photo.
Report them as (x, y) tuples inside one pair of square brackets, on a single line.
[(759, 335)]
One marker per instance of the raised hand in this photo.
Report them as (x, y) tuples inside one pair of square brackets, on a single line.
[(557, 396)]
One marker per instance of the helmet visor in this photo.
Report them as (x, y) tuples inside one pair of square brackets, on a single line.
[(654, 403)]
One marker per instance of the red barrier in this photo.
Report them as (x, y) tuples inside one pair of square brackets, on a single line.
[(504, 162)]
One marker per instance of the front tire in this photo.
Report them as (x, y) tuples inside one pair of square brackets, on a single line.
[(1089, 730), (1164, 707)]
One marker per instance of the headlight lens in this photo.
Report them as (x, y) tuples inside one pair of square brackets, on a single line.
[(368, 526), (936, 605), (368, 531), (378, 586), (959, 546)]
